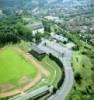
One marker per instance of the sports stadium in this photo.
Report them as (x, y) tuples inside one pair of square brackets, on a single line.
[(21, 72)]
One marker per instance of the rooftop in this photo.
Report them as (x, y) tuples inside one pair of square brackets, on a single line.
[(52, 18), (58, 37), (37, 25), (36, 49), (31, 94), (70, 45)]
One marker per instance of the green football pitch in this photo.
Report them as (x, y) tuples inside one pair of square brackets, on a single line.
[(13, 67)]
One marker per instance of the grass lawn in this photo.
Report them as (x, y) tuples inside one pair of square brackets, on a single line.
[(82, 64), (13, 67), (53, 68), (24, 45)]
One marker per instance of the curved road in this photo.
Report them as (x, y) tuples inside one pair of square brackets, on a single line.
[(68, 81), (69, 77)]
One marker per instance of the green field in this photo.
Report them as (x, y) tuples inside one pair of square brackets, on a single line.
[(13, 67), (24, 45), (82, 64), (54, 69), (83, 90)]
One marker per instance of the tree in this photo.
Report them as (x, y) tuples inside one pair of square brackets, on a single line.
[(47, 26), (38, 37), (78, 77), (24, 32)]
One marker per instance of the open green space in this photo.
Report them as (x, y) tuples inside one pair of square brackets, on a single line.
[(82, 64), (13, 66), (83, 88), (54, 69), (24, 45)]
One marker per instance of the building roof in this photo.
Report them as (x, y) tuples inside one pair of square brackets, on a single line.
[(35, 93), (52, 18), (70, 45), (36, 26), (58, 37), (36, 49), (31, 94), (92, 41)]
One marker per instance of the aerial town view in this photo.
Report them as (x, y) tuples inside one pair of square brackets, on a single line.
[(46, 49)]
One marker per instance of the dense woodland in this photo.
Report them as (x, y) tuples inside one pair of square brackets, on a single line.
[(12, 29)]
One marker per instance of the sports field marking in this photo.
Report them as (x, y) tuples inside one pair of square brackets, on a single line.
[(54, 71), (21, 90)]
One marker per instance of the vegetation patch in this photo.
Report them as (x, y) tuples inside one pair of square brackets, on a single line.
[(83, 88), (54, 69)]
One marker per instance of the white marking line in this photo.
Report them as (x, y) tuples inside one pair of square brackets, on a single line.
[(54, 71)]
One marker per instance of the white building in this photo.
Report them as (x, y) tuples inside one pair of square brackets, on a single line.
[(52, 18), (70, 45), (58, 37), (37, 27)]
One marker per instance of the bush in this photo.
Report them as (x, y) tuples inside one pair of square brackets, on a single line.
[(8, 38), (78, 77)]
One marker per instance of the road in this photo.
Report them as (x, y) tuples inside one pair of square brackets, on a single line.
[(68, 81), (69, 77)]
